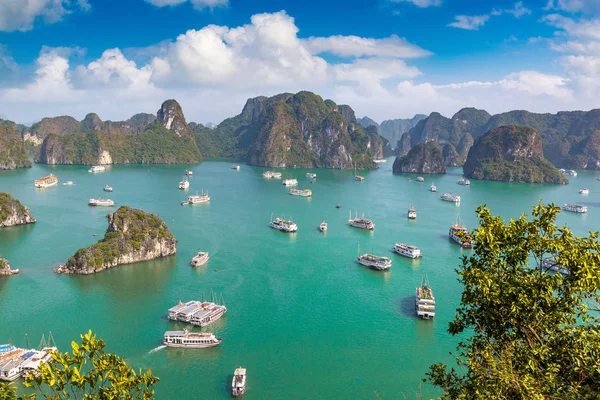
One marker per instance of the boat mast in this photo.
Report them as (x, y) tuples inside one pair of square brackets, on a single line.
[(51, 342), (42, 343)]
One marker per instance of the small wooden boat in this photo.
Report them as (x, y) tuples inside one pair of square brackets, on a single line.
[(200, 258), (338, 206)]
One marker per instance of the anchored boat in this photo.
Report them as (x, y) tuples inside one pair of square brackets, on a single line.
[(283, 225), (271, 175), (238, 384), (453, 198), (200, 313), (300, 192), (412, 213), (46, 181), (420, 179), (190, 340), (424, 300), (407, 251), (323, 226), (576, 208), (290, 182), (108, 188), (464, 182), (584, 191), (101, 202), (433, 188), (184, 184), (200, 258), (374, 262), (97, 168), (189, 172), (197, 199), (311, 175), (361, 223), (461, 235), (236, 167)]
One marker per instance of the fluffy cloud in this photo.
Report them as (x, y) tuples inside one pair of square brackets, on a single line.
[(574, 6), (420, 3), (356, 46), (199, 4), (20, 15), (470, 23)]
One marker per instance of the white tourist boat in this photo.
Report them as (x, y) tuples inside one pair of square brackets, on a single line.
[(97, 168), (433, 188), (10, 363), (358, 177), (453, 198), (184, 184), (46, 181), (412, 213), (199, 313), (290, 182), (236, 167), (108, 188), (424, 300), (32, 364), (361, 223), (420, 179), (238, 384), (300, 192), (374, 262), (572, 172), (552, 264), (283, 225), (576, 208), (311, 175), (189, 172), (200, 258), (196, 199), (461, 235), (323, 226), (584, 191), (101, 202), (190, 340), (271, 175), (407, 251), (464, 182), (68, 183), (381, 160)]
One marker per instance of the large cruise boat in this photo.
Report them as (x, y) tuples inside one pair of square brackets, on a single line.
[(196, 199), (553, 265), (453, 198), (238, 384), (300, 192), (97, 168), (576, 208), (184, 184), (407, 251), (200, 258), (271, 175), (361, 223), (424, 300), (460, 235), (101, 202), (283, 225), (412, 213), (464, 182), (290, 182), (200, 313), (191, 340), (374, 262), (46, 181)]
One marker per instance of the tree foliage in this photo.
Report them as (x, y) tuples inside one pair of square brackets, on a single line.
[(532, 333), (89, 373)]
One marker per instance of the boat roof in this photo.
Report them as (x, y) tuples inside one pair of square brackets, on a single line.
[(182, 305), (240, 371)]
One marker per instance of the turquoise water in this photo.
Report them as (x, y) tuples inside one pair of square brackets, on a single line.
[(303, 317)]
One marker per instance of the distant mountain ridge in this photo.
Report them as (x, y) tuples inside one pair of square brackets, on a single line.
[(392, 129)]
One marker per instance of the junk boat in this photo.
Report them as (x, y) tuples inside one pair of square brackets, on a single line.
[(576, 208), (189, 172), (97, 168), (101, 202), (374, 262), (46, 181), (196, 199), (552, 264), (283, 225), (290, 182), (300, 192), (323, 226), (236, 167), (271, 175), (200, 313), (191, 340), (200, 258), (424, 300), (453, 198), (361, 223), (420, 179), (108, 188), (184, 184), (238, 384), (464, 182), (311, 175), (412, 213), (432, 188), (584, 191), (16, 362), (407, 251), (460, 235)]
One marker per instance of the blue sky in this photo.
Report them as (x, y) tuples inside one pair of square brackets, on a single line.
[(385, 58)]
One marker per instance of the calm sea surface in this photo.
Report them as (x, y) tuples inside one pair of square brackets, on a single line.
[(303, 317)]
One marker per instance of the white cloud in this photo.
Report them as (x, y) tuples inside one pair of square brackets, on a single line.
[(574, 6), (469, 22), (420, 3), (199, 4), (357, 46), (518, 10), (21, 15)]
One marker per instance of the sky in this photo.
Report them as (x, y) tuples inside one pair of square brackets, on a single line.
[(385, 58)]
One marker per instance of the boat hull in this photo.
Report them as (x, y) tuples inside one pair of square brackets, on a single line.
[(193, 345), (406, 254)]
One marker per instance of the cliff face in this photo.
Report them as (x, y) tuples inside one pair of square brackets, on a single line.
[(12, 149), (168, 140), (424, 158), (5, 268), (132, 236), (512, 154), (393, 129), (12, 212), (451, 156)]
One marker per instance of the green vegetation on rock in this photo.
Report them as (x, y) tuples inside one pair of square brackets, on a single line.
[(12, 148), (424, 158), (12, 212), (511, 154)]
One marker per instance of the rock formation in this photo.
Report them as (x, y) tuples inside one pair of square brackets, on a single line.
[(5, 268), (424, 158), (451, 156), (12, 149), (12, 212)]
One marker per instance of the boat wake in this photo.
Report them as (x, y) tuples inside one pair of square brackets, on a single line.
[(156, 349)]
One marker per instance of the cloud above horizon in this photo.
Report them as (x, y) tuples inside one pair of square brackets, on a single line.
[(22, 15)]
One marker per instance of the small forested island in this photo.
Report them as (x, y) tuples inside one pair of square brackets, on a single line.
[(511, 154), (132, 236), (5, 268), (12, 212), (424, 158), (12, 147)]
